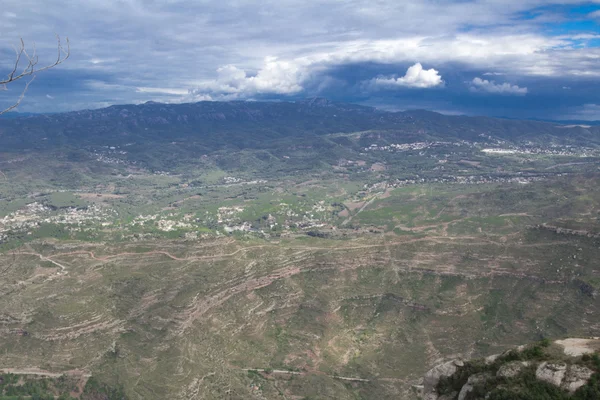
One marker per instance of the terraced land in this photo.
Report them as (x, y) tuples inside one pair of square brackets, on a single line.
[(360, 314)]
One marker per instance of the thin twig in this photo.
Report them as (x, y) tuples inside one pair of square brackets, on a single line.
[(20, 98)]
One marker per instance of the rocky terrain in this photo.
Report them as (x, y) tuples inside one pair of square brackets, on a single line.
[(563, 369)]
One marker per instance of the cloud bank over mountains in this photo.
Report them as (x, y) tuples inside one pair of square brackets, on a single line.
[(435, 54)]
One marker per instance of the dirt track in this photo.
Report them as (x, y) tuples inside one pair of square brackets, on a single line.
[(41, 372), (433, 239)]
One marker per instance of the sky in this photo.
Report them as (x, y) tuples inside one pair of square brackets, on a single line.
[(510, 58)]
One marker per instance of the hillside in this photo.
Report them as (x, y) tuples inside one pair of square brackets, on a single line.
[(305, 250)]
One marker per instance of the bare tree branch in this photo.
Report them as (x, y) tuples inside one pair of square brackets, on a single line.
[(20, 98), (18, 60), (30, 69)]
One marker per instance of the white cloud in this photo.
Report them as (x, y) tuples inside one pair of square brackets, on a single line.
[(483, 85), (49, 97), (415, 77), (104, 86), (96, 61), (158, 90), (595, 14), (288, 77), (274, 77)]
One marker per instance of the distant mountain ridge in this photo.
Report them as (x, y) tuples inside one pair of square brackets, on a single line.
[(578, 122), (240, 124)]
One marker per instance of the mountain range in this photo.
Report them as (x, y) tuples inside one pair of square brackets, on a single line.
[(217, 125)]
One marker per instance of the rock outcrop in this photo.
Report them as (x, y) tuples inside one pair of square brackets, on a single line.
[(512, 369), (470, 385), (433, 376), (553, 373), (565, 365), (577, 376)]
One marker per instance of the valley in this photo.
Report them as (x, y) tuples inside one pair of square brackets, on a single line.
[(291, 250)]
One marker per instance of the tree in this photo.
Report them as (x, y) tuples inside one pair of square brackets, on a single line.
[(26, 65)]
